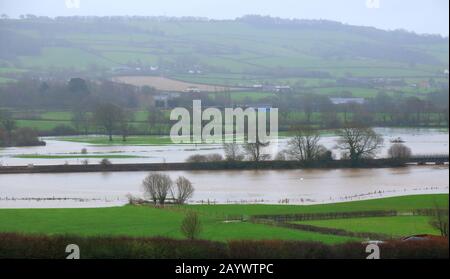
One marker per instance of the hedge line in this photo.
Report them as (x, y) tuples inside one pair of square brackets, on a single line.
[(325, 216), (53, 247)]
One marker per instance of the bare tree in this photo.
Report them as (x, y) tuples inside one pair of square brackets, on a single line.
[(399, 151), (184, 190), (304, 146), (440, 220), (233, 152), (255, 151), (157, 187), (359, 142), (191, 225)]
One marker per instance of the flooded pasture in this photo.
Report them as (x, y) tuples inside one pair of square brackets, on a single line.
[(268, 186)]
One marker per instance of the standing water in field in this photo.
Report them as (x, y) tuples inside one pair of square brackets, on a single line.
[(268, 186), (421, 141)]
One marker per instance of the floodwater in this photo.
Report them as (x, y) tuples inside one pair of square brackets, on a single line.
[(268, 186), (421, 141)]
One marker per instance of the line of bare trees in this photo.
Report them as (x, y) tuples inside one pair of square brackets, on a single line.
[(356, 143)]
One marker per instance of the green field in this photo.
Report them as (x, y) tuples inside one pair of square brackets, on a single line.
[(149, 221), (228, 52), (395, 227)]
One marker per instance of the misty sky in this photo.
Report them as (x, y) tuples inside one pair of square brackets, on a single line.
[(421, 16)]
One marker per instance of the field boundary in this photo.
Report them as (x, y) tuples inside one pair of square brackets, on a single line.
[(225, 165)]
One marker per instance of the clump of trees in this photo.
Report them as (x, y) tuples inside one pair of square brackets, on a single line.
[(399, 151), (113, 118), (11, 135), (158, 187), (234, 152)]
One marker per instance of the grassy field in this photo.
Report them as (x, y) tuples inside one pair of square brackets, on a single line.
[(139, 221), (227, 52), (398, 226), (149, 221)]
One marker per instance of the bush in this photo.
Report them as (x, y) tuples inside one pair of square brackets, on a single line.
[(214, 158), (204, 158), (105, 162), (325, 156), (399, 151), (191, 227)]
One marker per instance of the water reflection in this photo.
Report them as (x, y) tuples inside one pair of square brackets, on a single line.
[(272, 186), (421, 141)]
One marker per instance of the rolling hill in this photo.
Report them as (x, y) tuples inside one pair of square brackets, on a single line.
[(218, 52)]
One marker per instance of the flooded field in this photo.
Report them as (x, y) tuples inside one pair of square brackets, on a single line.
[(274, 187), (271, 187), (421, 141)]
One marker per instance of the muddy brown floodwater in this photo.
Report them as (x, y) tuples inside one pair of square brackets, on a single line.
[(271, 187)]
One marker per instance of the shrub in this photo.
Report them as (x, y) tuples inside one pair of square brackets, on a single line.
[(105, 162), (197, 158), (399, 151), (191, 226), (214, 158)]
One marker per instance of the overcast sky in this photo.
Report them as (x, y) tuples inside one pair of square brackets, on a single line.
[(421, 16)]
